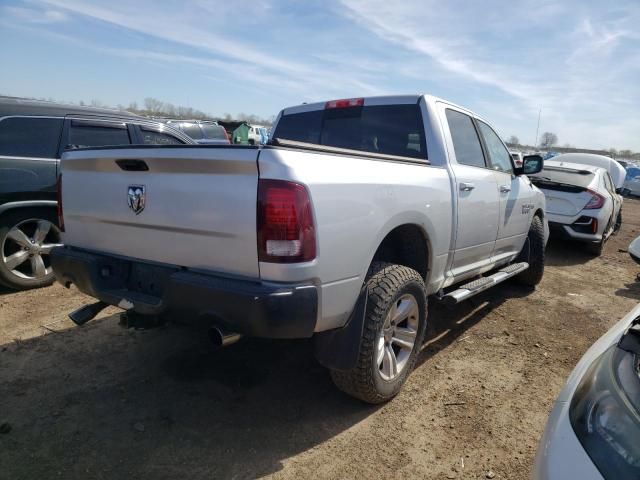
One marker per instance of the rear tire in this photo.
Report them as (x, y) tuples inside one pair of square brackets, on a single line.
[(24, 257), (386, 355), (533, 254)]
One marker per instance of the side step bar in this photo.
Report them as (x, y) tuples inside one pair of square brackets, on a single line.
[(481, 284)]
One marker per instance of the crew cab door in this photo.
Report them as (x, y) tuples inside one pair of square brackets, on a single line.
[(516, 196), (476, 190)]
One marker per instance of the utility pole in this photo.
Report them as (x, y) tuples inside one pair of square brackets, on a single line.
[(535, 144)]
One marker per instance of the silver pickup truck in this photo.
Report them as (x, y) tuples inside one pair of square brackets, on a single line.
[(340, 228)]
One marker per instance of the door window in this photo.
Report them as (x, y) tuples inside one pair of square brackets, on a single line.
[(466, 143), (30, 137), (97, 134), (499, 156)]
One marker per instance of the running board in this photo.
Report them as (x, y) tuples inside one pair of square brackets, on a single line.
[(481, 284)]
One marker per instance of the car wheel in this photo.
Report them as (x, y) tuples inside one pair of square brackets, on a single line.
[(26, 240), (618, 224), (533, 254), (394, 328)]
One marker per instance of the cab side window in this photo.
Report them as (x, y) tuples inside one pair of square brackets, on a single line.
[(30, 137), (499, 156), (465, 139)]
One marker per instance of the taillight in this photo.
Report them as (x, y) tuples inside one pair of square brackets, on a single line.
[(597, 201), (345, 103), (59, 195), (226, 135), (286, 233)]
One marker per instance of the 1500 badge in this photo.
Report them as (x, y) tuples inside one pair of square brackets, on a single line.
[(527, 207)]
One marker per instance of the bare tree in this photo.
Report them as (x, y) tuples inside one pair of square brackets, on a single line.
[(548, 140), (513, 140)]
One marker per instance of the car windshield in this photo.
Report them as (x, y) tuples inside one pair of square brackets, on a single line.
[(567, 176)]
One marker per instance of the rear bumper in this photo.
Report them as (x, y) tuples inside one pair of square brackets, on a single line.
[(254, 308), (562, 230)]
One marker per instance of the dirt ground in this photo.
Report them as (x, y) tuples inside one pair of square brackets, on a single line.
[(105, 402)]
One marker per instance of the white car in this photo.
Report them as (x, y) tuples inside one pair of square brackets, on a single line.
[(582, 203), (593, 431), (616, 170)]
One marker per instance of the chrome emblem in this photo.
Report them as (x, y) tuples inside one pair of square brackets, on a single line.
[(136, 198)]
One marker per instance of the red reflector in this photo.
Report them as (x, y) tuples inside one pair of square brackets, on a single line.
[(345, 103), (59, 198), (286, 233)]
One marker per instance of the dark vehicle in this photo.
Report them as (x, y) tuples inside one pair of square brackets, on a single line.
[(33, 135), (202, 131)]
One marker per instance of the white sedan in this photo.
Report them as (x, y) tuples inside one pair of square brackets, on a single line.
[(582, 202), (593, 431)]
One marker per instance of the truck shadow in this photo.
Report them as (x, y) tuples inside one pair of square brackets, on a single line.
[(163, 404), (563, 253)]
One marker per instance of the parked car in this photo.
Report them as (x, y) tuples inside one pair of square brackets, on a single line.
[(631, 184), (338, 230), (202, 131), (593, 431), (582, 203), (33, 136), (616, 171)]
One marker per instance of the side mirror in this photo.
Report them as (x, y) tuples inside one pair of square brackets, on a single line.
[(530, 164), (619, 191)]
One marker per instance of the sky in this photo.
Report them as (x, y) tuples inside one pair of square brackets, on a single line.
[(578, 61)]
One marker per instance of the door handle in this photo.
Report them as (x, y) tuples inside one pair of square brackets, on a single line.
[(505, 188), (466, 187)]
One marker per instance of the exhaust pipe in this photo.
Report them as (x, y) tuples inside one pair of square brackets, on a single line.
[(87, 312), (221, 338)]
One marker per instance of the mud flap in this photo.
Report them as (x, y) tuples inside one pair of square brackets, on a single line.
[(339, 349)]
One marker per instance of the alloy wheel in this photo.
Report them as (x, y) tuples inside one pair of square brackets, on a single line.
[(397, 337), (26, 247)]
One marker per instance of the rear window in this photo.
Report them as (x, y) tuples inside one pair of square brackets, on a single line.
[(385, 129), (30, 137), (213, 132), (579, 178), (153, 137), (192, 129)]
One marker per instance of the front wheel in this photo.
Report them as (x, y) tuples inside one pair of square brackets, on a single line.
[(533, 254), (394, 328)]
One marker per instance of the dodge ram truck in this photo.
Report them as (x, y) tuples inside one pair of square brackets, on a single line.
[(340, 229)]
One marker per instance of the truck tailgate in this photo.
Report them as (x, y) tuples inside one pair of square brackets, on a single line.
[(187, 206)]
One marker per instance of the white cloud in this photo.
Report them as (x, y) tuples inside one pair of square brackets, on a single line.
[(34, 15)]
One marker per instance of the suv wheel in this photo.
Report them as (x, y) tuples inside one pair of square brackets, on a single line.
[(394, 329), (26, 239)]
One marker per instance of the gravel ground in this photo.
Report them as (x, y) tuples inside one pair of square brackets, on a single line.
[(105, 402)]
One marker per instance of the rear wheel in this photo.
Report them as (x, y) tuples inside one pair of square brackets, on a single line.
[(533, 254), (26, 240), (393, 333)]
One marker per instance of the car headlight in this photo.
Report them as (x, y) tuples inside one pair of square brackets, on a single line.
[(605, 413)]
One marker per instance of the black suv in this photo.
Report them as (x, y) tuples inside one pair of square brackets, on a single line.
[(33, 136)]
